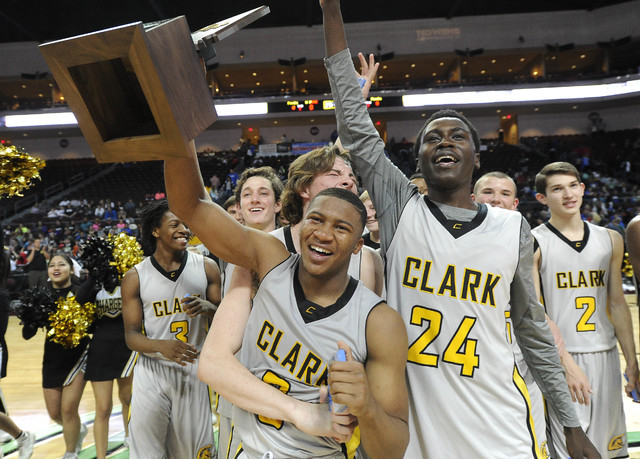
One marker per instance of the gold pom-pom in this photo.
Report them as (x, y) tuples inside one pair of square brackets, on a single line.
[(627, 269), (17, 170), (70, 323), (126, 252)]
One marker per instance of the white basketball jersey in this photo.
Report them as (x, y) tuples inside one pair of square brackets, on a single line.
[(285, 350), (163, 314), (284, 234), (574, 278), (453, 298)]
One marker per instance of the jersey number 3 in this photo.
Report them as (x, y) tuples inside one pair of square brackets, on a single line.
[(181, 329), (461, 349)]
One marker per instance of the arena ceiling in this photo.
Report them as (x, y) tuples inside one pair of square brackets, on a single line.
[(41, 21)]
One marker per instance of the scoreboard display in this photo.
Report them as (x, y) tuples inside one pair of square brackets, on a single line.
[(311, 105)]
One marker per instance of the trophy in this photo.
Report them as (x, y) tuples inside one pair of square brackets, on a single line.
[(138, 90)]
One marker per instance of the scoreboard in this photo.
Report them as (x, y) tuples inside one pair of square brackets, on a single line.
[(311, 105)]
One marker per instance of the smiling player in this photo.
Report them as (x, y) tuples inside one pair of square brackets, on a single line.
[(173, 295)]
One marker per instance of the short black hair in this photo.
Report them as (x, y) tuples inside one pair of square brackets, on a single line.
[(447, 113), (348, 196), (151, 218)]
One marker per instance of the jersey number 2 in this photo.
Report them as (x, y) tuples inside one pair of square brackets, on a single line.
[(461, 349), (589, 304)]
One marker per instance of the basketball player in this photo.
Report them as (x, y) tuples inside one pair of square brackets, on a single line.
[(232, 208), (499, 190), (326, 167), (633, 247), (453, 267), (305, 307), (258, 193), (372, 238), (173, 295), (577, 268)]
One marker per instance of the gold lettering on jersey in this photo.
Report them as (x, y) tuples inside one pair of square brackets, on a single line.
[(274, 347), (475, 286), (581, 279), (469, 286), (268, 340), (457, 226), (448, 282), (161, 308), (309, 367), (291, 360), (616, 443), (411, 281)]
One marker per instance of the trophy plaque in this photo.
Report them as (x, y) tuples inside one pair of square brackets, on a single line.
[(138, 90)]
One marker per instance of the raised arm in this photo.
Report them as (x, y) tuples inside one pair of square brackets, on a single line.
[(219, 232), (220, 368), (376, 393), (174, 350), (619, 313), (387, 185)]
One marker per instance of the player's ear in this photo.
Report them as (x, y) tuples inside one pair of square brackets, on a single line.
[(278, 207), (542, 199), (358, 246), (473, 197), (516, 201), (477, 160)]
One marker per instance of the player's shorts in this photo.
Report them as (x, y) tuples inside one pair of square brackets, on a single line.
[(537, 409), (60, 365), (170, 412), (603, 419), (108, 360)]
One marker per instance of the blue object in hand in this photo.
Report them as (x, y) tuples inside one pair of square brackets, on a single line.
[(340, 356)]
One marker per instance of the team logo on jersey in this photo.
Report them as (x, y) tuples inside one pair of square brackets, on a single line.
[(544, 450), (616, 443), (204, 452), (310, 310), (457, 226)]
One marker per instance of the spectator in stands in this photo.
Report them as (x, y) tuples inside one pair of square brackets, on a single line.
[(215, 182), (110, 214), (37, 259), (130, 208), (100, 210)]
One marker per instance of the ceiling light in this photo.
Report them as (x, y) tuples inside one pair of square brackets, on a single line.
[(253, 108), (39, 119), (550, 93)]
